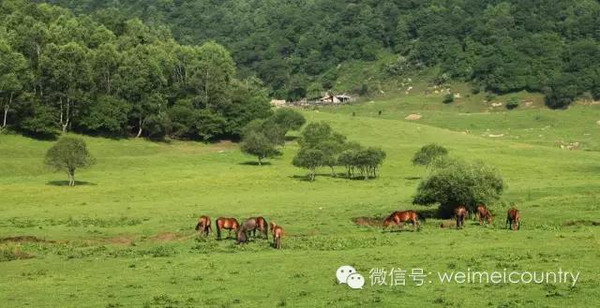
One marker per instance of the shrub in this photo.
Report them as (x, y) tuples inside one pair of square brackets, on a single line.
[(512, 103), (454, 182), (428, 153), (448, 98)]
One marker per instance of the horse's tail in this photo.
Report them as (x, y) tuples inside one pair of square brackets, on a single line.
[(218, 229)]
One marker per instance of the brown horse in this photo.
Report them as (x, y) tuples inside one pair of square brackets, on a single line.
[(484, 214), (204, 225), (460, 212), (513, 219), (261, 226), (398, 217), (227, 224), (277, 232), (243, 233)]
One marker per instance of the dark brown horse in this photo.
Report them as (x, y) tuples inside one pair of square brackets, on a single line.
[(227, 224), (277, 232), (484, 214), (513, 219), (243, 233), (204, 225), (460, 212), (261, 226), (398, 217)]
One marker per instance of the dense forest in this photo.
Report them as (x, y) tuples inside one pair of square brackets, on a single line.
[(200, 69), (549, 46), (61, 72)]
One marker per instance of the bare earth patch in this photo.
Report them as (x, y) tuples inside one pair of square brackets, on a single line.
[(368, 221), (168, 237), (413, 117), (24, 239)]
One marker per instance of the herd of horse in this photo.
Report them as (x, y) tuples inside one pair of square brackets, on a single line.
[(243, 231), (259, 224), (483, 214)]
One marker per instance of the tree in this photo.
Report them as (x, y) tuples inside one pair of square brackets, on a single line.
[(429, 153), (214, 73), (13, 78), (288, 119), (310, 159), (257, 144), (67, 73), (368, 161), (68, 154), (455, 182)]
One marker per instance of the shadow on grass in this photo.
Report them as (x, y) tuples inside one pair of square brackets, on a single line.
[(412, 178), (340, 175), (66, 183), (254, 163)]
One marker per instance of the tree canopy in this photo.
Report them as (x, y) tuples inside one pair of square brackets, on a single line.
[(116, 76), (68, 154), (454, 182), (296, 47)]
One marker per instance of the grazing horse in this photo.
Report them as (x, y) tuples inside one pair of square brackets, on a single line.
[(398, 217), (460, 212), (227, 224), (484, 214), (513, 219), (261, 226), (244, 231), (204, 225), (277, 232)]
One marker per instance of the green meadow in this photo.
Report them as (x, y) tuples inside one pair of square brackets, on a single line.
[(124, 236)]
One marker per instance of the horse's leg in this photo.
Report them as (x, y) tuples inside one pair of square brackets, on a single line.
[(218, 232)]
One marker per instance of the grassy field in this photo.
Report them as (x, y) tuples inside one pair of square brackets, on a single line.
[(124, 236)]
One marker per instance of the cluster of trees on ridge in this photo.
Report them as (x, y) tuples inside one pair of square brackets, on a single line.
[(321, 146), (61, 72), (296, 46)]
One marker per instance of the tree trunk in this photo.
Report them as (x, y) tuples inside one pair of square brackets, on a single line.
[(140, 128), (332, 172), (259, 161), (64, 114), (6, 107), (71, 177)]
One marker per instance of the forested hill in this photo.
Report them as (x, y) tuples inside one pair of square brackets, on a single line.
[(64, 72), (549, 46)]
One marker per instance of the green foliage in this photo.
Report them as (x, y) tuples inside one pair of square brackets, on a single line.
[(64, 72), (454, 182), (448, 98), (68, 154), (310, 159), (428, 154), (288, 119), (333, 150), (257, 144), (512, 103)]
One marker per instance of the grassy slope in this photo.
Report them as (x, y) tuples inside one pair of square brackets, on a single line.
[(126, 238)]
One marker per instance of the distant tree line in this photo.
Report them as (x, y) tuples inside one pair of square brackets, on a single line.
[(296, 46), (60, 72), (320, 146)]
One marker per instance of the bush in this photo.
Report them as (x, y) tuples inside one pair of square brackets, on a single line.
[(512, 103), (449, 98), (428, 153), (455, 182)]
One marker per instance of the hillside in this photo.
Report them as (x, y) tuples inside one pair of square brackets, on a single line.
[(297, 47)]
